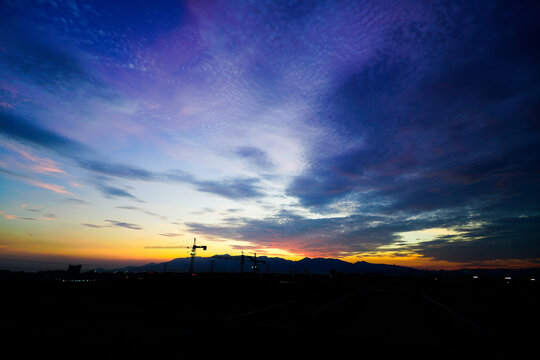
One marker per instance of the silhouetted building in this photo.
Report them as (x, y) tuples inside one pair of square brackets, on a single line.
[(74, 269)]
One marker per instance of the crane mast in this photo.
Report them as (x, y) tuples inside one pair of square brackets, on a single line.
[(193, 252)]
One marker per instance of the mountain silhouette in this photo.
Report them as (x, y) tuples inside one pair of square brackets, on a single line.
[(228, 263), (275, 265)]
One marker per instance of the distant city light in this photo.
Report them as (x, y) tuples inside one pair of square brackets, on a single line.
[(475, 277), (508, 278)]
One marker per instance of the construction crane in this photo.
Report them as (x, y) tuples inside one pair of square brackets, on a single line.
[(253, 259), (193, 251)]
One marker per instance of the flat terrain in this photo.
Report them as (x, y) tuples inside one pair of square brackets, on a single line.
[(117, 316)]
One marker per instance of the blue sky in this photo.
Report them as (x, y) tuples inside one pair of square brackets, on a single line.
[(387, 131)]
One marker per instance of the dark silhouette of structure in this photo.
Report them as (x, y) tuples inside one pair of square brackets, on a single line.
[(256, 262), (253, 259), (74, 269), (193, 252)]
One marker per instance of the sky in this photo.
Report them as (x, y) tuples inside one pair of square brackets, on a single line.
[(397, 132)]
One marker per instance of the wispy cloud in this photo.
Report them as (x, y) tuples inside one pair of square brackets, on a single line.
[(34, 182), (116, 170), (124, 224), (20, 129), (115, 192), (52, 187), (95, 226), (170, 234), (46, 217), (8, 216), (74, 201), (115, 223), (39, 60), (134, 208), (233, 188), (239, 188), (255, 156), (32, 162), (109, 189)]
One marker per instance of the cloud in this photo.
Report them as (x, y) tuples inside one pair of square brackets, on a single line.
[(431, 126), (115, 223), (237, 188), (95, 226), (470, 236), (232, 188), (134, 208), (255, 156), (505, 238), (59, 189), (18, 128), (8, 216), (336, 236), (33, 162), (55, 188), (74, 201), (37, 59), (21, 130), (115, 192), (170, 234), (124, 225), (111, 191), (10, 173), (15, 217), (116, 169)]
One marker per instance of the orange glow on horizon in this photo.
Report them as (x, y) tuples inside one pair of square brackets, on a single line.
[(105, 257), (82, 247)]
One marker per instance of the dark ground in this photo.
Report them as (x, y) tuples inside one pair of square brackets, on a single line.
[(170, 316)]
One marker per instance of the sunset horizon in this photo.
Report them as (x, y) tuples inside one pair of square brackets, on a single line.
[(401, 133)]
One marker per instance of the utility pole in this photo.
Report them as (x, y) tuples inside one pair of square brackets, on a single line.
[(253, 259)]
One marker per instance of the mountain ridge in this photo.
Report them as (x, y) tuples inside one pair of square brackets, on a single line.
[(233, 264)]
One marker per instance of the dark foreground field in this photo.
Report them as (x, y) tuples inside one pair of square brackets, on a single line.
[(176, 316)]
